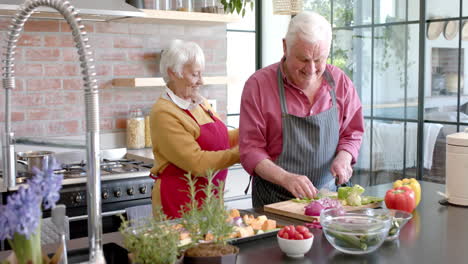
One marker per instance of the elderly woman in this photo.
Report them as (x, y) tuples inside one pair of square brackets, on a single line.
[(187, 134)]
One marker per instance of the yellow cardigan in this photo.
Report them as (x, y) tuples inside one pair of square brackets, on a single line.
[(174, 134)]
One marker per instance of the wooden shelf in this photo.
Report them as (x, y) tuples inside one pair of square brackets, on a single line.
[(152, 82), (179, 17)]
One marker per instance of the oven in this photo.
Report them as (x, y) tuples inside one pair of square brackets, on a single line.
[(125, 183)]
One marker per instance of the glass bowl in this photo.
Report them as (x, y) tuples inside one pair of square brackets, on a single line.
[(400, 218), (355, 232), (295, 248)]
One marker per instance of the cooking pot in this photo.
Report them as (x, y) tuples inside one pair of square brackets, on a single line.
[(31, 159)]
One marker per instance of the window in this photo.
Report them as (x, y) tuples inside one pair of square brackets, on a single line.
[(241, 62), (376, 42)]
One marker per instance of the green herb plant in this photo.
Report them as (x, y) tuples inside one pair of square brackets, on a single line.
[(209, 217), (151, 240), (239, 6)]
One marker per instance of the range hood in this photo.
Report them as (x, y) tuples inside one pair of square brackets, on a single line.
[(96, 10)]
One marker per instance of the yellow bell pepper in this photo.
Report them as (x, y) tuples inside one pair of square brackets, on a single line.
[(413, 184)]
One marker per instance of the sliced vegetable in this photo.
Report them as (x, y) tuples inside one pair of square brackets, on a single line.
[(314, 209)]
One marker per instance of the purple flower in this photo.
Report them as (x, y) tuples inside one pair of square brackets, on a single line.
[(47, 184), (23, 209)]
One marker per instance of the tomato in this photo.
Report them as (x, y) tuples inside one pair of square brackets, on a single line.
[(292, 233), (307, 235), (286, 235), (281, 232), (302, 229), (298, 236)]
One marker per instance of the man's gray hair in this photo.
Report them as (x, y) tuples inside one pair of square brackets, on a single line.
[(310, 27), (177, 55)]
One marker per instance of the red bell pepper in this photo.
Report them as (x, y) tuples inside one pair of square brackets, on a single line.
[(401, 198)]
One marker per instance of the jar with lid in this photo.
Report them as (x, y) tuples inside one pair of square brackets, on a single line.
[(148, 143), (135, 129)]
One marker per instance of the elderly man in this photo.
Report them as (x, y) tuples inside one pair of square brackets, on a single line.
[(301, 120)]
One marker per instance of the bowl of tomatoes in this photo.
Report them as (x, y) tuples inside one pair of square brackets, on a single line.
[(295, 241)]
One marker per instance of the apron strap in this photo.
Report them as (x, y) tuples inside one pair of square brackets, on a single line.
[(248, 185)]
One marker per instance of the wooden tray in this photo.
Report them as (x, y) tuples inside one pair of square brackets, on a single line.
[(296, 210)]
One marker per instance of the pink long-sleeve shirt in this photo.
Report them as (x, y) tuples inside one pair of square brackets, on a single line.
[(261, 135)]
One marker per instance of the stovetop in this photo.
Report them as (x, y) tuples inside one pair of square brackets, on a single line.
[(108, 167)]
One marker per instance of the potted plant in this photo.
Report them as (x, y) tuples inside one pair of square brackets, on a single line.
[(207, 224), (152, 240)]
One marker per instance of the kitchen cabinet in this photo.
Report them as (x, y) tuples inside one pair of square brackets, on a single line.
[(151, 82)]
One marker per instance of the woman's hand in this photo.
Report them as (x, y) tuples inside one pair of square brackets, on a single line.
[(341, 167)]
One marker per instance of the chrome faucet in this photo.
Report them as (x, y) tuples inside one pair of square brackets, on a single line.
[(91, 105)]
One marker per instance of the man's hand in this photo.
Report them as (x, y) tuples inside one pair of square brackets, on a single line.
[(341, 167), (299, 185)]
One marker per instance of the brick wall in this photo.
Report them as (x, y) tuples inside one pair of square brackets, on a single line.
[(48, 99)]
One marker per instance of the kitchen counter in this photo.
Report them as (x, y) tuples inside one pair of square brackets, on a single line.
[(436, 234)]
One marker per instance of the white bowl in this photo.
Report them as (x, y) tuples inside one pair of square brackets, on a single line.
[(295, 248)]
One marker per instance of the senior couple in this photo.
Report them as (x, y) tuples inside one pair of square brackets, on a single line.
[(301, 123)]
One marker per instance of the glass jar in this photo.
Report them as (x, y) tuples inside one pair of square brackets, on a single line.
[(148, 143), (210, 6), (184, 5), (135, 129)]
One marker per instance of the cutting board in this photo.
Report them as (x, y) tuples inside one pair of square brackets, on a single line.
[(296, 210)]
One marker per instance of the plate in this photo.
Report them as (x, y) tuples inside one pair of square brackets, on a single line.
[(434, 29), (451, 30), (271, 233), (465, 31)]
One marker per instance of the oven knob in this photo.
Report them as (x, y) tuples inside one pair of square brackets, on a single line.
[(78, 198), (130, 191), (117, 193), (105, 194), (143, 189)]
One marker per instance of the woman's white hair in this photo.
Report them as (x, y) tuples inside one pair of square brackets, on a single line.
[(177, 55), (310, 27)]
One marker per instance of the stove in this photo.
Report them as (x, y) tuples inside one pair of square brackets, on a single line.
[(125, 183)]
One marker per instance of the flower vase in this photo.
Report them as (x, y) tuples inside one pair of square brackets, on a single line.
[(27, 250)]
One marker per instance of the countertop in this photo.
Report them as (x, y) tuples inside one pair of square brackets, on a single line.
[(436, 234)]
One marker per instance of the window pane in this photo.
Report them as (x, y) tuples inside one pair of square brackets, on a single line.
[(240, 65), (352, 12), (442, 79), (319, 6), (444, 9), (387, 155), (361, 170), (435, 151), (391, 68), (387, 11), (352, 53), (247, 22)]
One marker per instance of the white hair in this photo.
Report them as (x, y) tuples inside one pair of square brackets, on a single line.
[(310, 27), (177, 55)]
